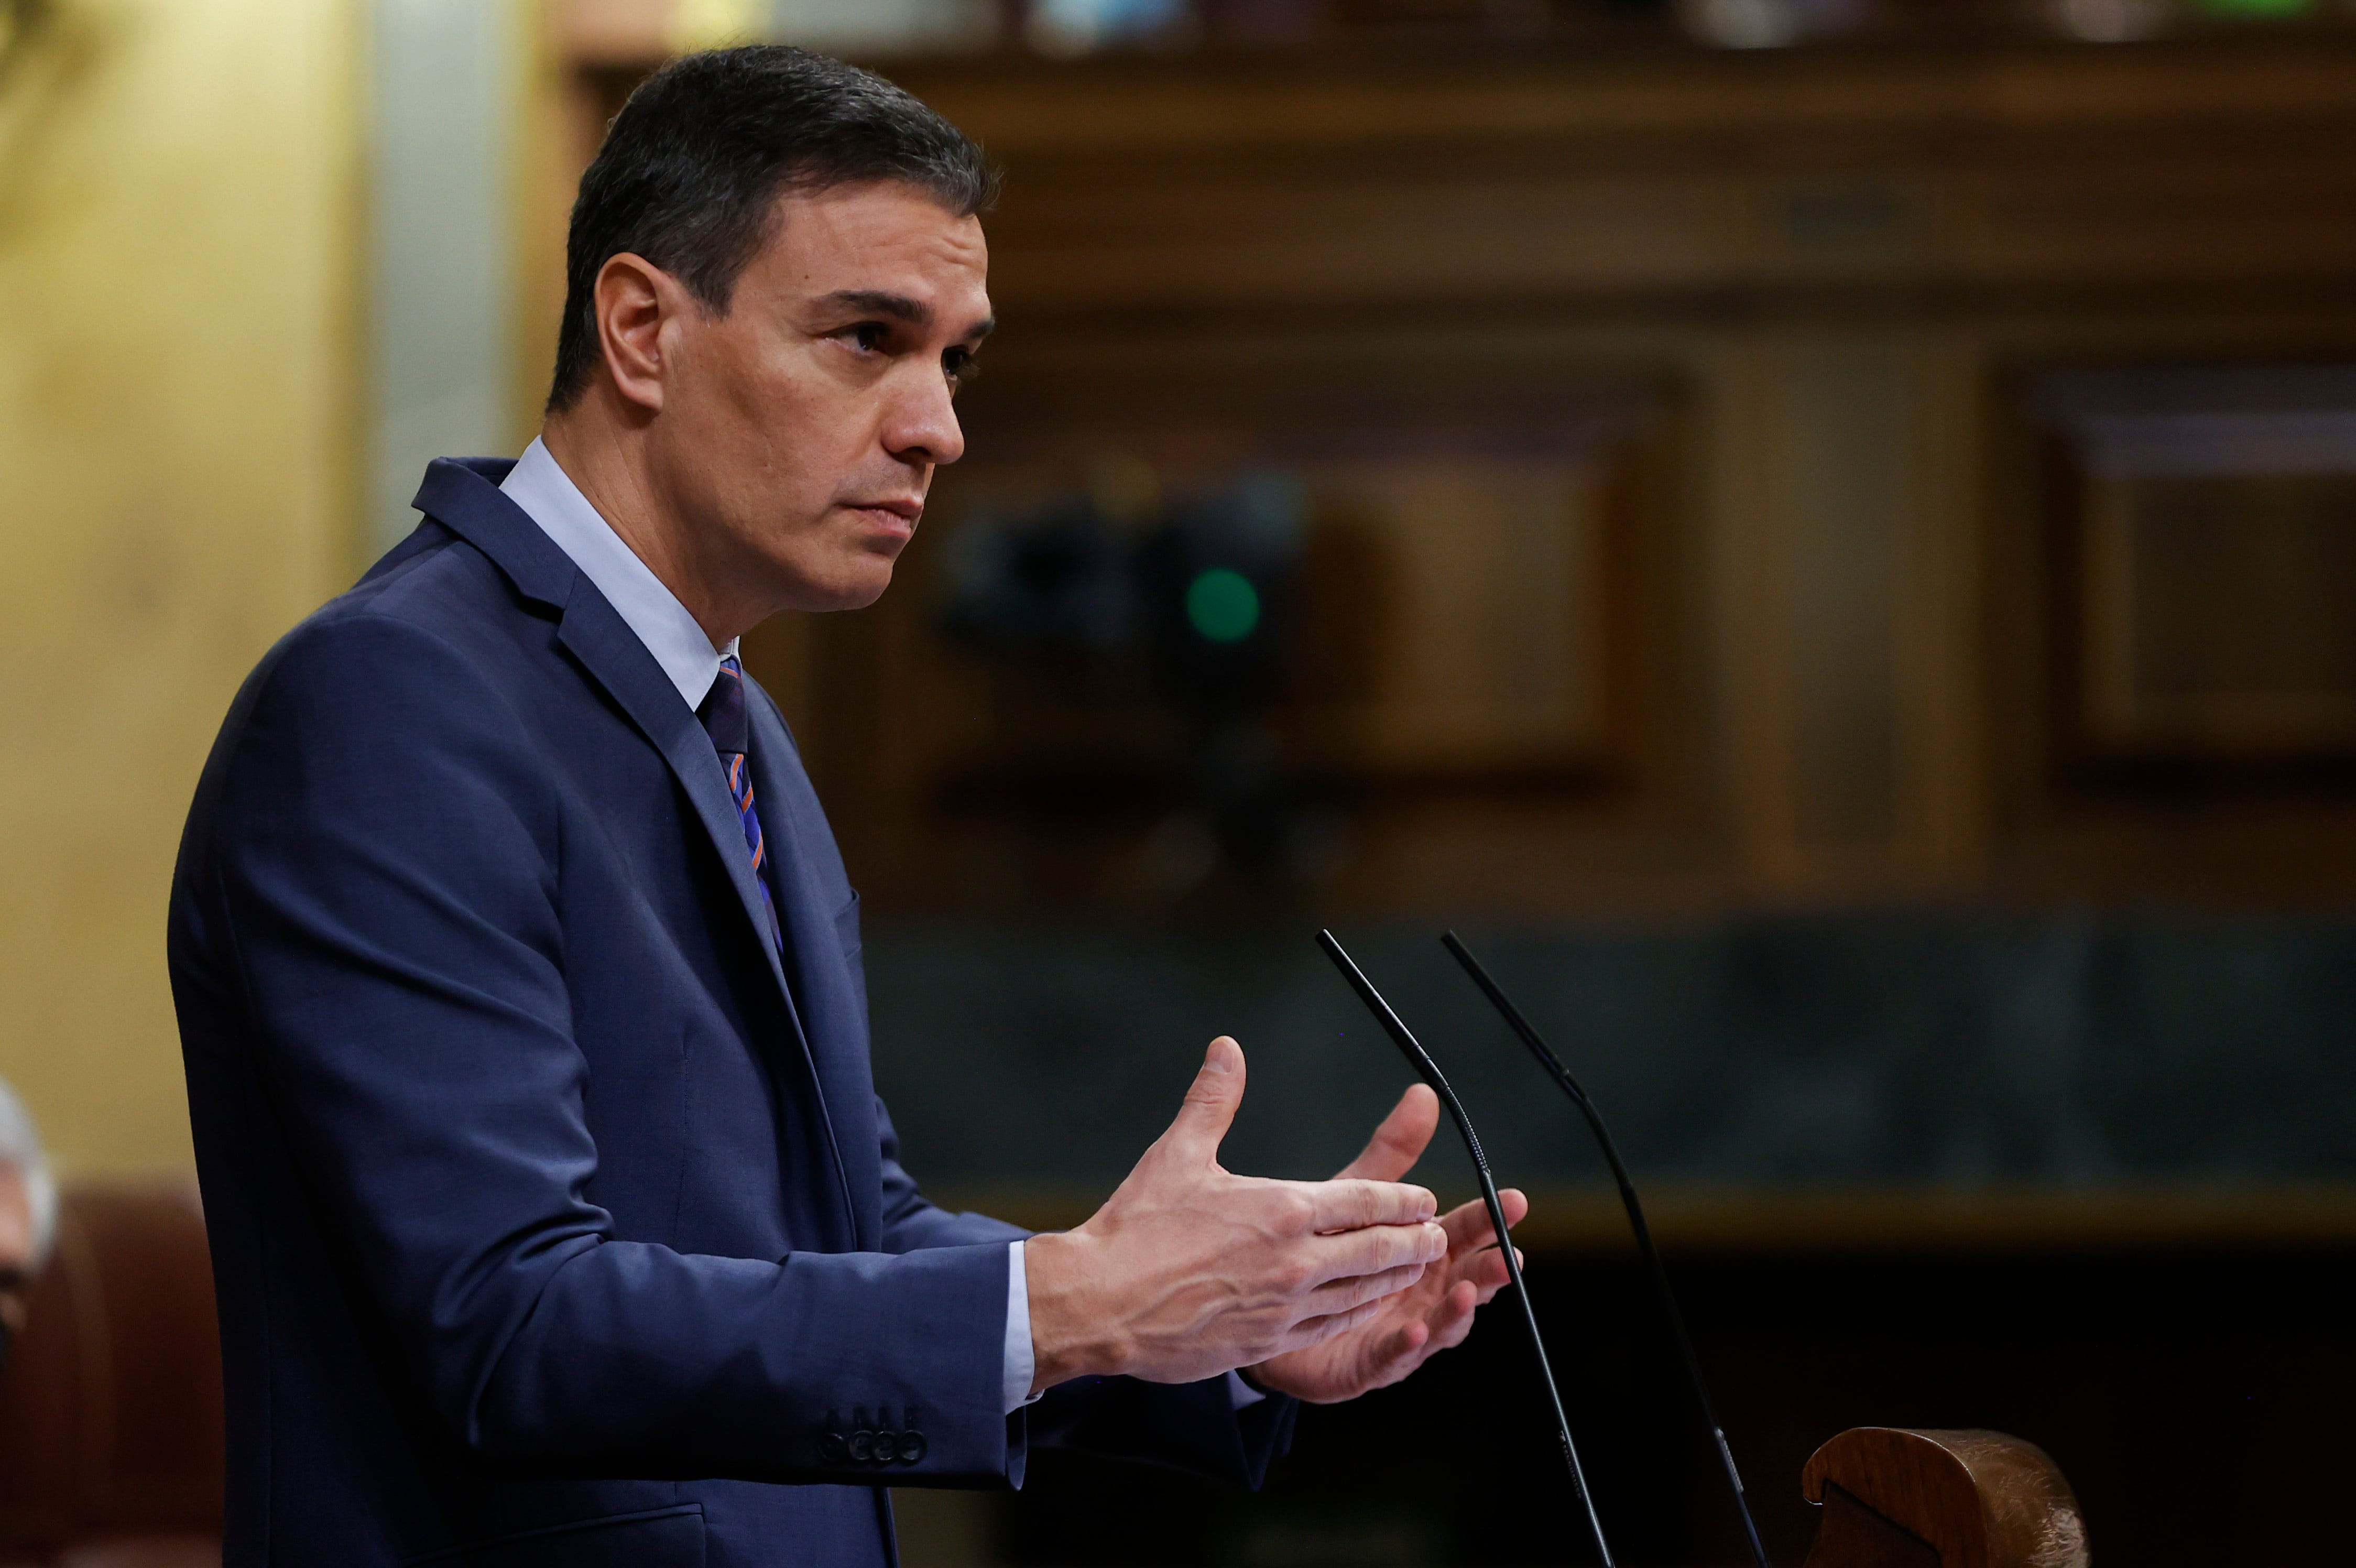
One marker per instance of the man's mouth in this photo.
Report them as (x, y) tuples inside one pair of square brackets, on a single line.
[(896, 514)]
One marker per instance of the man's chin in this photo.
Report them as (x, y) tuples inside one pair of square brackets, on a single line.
[(855, 589)]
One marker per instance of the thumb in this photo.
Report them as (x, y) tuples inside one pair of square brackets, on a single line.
[(1211, 1102)]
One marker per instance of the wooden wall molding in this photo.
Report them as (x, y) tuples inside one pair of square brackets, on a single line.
[(1845, 259)]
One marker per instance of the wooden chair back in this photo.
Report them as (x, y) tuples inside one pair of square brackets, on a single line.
[(1898, 1497), (111, 1436)]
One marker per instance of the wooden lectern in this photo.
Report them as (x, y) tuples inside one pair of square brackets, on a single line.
[(1899, 1498)]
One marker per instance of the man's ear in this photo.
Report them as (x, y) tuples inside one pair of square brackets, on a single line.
[(635, 298)]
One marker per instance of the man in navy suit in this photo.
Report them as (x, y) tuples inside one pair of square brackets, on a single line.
[(554, 1215)]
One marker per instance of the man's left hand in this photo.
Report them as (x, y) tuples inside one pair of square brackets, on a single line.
[(1427, 1316)]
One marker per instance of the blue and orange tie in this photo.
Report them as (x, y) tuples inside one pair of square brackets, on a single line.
[(725, 722)]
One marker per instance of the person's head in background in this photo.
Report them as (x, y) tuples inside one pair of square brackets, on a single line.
[(28, 1213)]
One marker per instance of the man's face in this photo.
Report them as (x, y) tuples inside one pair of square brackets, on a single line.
[(16, 1252), (799, 431)]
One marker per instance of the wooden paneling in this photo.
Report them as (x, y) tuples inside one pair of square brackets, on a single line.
[(2219, 614), (2133, 754), (1192, 185), (1839, 653), (2204, 529)]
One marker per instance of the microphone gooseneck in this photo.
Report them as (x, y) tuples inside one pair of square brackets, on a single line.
[(1428, 1070), (1570, 1085)]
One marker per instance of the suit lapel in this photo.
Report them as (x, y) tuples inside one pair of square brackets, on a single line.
[(832, 1007), (465, 498), (611, 652)]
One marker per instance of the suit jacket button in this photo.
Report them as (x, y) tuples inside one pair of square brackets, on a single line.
[(887, 1445), (831, 1449), (912, 1448)]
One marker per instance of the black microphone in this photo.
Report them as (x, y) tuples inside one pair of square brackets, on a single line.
[(1428, 1070), (1570, 1085)]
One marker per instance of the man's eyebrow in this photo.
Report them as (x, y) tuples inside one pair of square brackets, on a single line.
[(899, 308), (880, 302)]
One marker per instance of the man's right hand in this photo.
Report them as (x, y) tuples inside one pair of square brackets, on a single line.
[(1188, 1272)]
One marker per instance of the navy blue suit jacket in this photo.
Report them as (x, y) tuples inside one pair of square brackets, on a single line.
[(554, 1219)]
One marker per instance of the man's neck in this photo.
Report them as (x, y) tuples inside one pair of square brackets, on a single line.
[(607, 467)]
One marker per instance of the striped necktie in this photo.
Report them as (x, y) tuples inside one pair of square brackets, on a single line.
[(724, 720)]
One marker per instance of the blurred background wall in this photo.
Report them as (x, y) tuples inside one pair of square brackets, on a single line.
[(1821, 534), (179, 429)]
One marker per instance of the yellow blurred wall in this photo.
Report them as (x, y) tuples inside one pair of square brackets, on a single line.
[(177, 256)]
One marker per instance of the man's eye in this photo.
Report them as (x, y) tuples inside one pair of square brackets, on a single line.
[(870, 336), (959, 366)]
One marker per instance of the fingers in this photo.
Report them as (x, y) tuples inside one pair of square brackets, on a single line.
[(1417, 1340), (1211, 1102), (1441, 1328), (1402, 1353), (1468, 1223), (1375, 1250), (1350, 1205), (1382, 1354), (1473, 1251), (1311, 1331), (1452, 1320), (1486, 1271), (1342, 1294), (1400, 1141)]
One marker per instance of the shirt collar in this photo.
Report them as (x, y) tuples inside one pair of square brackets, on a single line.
[(550, 497)]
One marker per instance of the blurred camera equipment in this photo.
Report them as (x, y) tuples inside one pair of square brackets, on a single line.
[(1198, 593)]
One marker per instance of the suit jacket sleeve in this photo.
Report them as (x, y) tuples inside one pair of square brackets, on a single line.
[(381, 899), (1189, 1426)]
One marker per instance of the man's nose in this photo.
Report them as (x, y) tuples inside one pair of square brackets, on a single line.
[(923, 426)]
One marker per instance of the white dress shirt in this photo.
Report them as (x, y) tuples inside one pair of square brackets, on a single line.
[(550, 497)]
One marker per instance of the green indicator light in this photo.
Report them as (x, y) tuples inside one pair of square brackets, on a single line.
[(2266, 8), (1223, 605)]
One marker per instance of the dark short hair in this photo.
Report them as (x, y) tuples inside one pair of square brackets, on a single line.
[(693, 164)]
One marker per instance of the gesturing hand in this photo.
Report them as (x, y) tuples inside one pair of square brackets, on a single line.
[(1188, 1269), (1436, 1312)]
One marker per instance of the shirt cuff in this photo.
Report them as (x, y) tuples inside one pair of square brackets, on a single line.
[(1241, 1395), (1021, 1363)]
